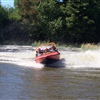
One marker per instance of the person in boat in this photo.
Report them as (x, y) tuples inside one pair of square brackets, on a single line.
[(38, 52), (52, 48), (41, 50)]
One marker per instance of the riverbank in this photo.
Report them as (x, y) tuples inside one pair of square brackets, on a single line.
[(84, 46)]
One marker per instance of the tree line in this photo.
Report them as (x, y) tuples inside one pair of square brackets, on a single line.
[(74, 21)]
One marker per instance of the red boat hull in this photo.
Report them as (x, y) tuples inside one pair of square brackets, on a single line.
[(48, 58)]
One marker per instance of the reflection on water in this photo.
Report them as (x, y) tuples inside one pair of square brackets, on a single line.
[(78, 79), (17, 82)]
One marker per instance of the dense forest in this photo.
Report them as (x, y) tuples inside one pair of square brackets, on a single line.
[(70, 21)]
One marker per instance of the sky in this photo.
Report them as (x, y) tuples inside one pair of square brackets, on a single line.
[(7, 3)]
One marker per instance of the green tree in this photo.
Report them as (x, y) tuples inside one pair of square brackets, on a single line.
[(49, 18), (16, 3), (3, 17), (13, 14), (70, 20), (27, 10), (3, 21)]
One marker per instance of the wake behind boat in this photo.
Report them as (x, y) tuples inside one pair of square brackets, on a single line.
[(47, 54)]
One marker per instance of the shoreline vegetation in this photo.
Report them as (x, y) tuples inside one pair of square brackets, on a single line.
[(83, 46), (90, 46), (31, 22)]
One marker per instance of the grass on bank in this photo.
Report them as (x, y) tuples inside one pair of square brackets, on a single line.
[(90, 46), (57, 44), (86, 46)]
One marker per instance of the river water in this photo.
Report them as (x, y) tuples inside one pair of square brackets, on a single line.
[(75, 77)]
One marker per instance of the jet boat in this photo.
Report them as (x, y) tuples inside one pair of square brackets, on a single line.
[(47, 54)]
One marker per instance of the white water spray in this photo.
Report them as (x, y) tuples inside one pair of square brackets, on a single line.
[(19, 55), (24, 56), (83, 59)]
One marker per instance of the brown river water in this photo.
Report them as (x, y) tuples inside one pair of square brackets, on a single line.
[(75, 77)]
